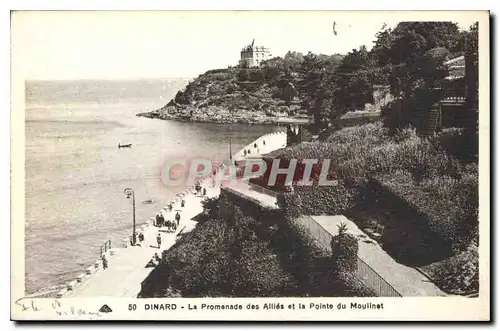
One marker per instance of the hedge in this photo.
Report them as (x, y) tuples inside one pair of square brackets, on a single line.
[(416, 169)]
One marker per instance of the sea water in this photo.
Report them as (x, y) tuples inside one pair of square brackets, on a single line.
[(76, 174)]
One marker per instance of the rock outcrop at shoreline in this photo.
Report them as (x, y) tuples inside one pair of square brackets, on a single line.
[(210, 115), (236, 95)]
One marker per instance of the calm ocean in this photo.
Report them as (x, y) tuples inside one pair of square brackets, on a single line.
[(75, 174)]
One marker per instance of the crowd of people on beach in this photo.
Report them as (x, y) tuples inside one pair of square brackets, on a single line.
[(170, 225)]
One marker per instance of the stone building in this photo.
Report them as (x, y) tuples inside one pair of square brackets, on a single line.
[(253, 56)]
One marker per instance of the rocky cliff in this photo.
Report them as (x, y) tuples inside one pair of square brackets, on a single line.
[(235, 95)]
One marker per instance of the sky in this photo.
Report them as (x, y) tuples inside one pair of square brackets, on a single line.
[(57, 45)]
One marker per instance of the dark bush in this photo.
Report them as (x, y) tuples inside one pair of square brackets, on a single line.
[(217, 71), (450, 205), (257, 75), (458, 274), (181, 98), (417, 170), (243, 75), (344, 251)]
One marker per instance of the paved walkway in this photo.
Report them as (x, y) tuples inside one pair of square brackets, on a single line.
[(254, 192), (406, 280), (127, 266)]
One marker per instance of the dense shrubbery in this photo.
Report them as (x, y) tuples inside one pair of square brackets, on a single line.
[(219, 258), (458, 274), (449, 204), (416, 169), (315, 269), (344, 251), (431, 175), (233, 255), (409, 58)]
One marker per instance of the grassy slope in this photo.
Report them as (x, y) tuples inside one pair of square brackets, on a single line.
[(424, 173)]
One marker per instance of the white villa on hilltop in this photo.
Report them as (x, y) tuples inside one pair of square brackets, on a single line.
[(253, 56)]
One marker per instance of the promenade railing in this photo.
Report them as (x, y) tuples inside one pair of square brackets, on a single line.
[(364, 273), (105, 247), (263, 190)]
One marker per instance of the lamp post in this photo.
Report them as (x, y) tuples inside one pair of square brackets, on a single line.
[(129, 192), (230, 149)]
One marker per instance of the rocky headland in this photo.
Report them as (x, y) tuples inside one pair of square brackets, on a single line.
[(236, 95)]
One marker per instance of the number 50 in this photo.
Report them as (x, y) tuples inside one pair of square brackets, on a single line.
[(132, 306)]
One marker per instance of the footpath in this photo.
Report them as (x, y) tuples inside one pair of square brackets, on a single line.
[(407, 281), (127, 265)]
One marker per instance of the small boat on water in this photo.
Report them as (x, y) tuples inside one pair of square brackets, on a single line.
[(124, 146), (149, 201)]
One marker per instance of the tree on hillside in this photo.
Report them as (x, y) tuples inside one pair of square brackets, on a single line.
[(409, 58), (414, 53), (317, 88), (336, 85), (471, 80), (294, 60), (344, 250), (275, 62), (353, 81)]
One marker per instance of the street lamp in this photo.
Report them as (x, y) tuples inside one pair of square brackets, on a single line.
[(129, 192), (230, 149)]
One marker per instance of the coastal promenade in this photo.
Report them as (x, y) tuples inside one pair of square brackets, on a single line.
[(127, 266)]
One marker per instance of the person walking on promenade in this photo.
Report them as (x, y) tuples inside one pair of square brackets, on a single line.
[(249, 152), (255, 145), (177, 218), (158, 239), (157, 220), (263, 142), (183, 203), (245, 153), (170, 207), (161, 220), (204, 191), (104, 262)]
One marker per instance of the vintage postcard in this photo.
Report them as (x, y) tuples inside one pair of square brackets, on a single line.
[(250, 165)]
